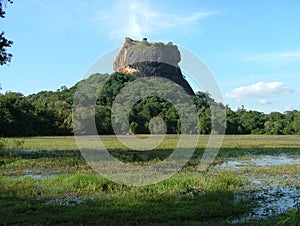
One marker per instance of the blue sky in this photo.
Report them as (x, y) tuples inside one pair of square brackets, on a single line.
[(251, 47)]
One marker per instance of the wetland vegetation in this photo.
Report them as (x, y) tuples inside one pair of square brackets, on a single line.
[(253, 181)]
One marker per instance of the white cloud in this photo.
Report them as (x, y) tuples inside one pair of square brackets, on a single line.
[(275, 58), (260, 89), (288, 107), (138, 18), (264, 101)]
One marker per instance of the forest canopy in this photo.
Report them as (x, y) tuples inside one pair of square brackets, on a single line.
[(49, 113)]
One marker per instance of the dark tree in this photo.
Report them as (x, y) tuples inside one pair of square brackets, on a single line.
[(5, 57)]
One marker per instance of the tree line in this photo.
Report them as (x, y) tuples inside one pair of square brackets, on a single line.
[(49, 113)]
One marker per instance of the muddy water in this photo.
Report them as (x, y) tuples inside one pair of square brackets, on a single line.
[(270, 194)]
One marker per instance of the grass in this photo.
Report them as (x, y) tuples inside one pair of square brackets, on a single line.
[(73, 194), (185, 198), (41, 143), (233, 142)]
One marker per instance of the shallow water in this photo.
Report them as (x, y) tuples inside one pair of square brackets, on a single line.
[(269, 202), (69, 200), (38, 173), (270, 194), (261, 161), (73, 200)]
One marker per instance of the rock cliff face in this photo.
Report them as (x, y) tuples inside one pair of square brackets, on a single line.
[(142, 58)]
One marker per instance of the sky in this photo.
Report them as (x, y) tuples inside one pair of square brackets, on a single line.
[(252, 48)]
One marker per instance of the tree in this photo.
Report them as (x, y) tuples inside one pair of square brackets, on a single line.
[(17, 117), (292, 122), (204, 120), (5, 57), (275, 123), (232, 121), (296, 124)]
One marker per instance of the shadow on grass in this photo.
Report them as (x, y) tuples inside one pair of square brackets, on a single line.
[(211, 208), (159, 154)]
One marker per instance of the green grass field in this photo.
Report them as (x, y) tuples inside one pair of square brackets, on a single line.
[(251, 142), (53, 185)]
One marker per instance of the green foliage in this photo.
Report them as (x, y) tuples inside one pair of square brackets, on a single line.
[(250, 122), (292, 218), (45, 113), (5, 57), (19, 143), (3, 143), (50, 112)]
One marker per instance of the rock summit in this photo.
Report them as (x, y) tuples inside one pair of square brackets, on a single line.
[(142, 58)]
